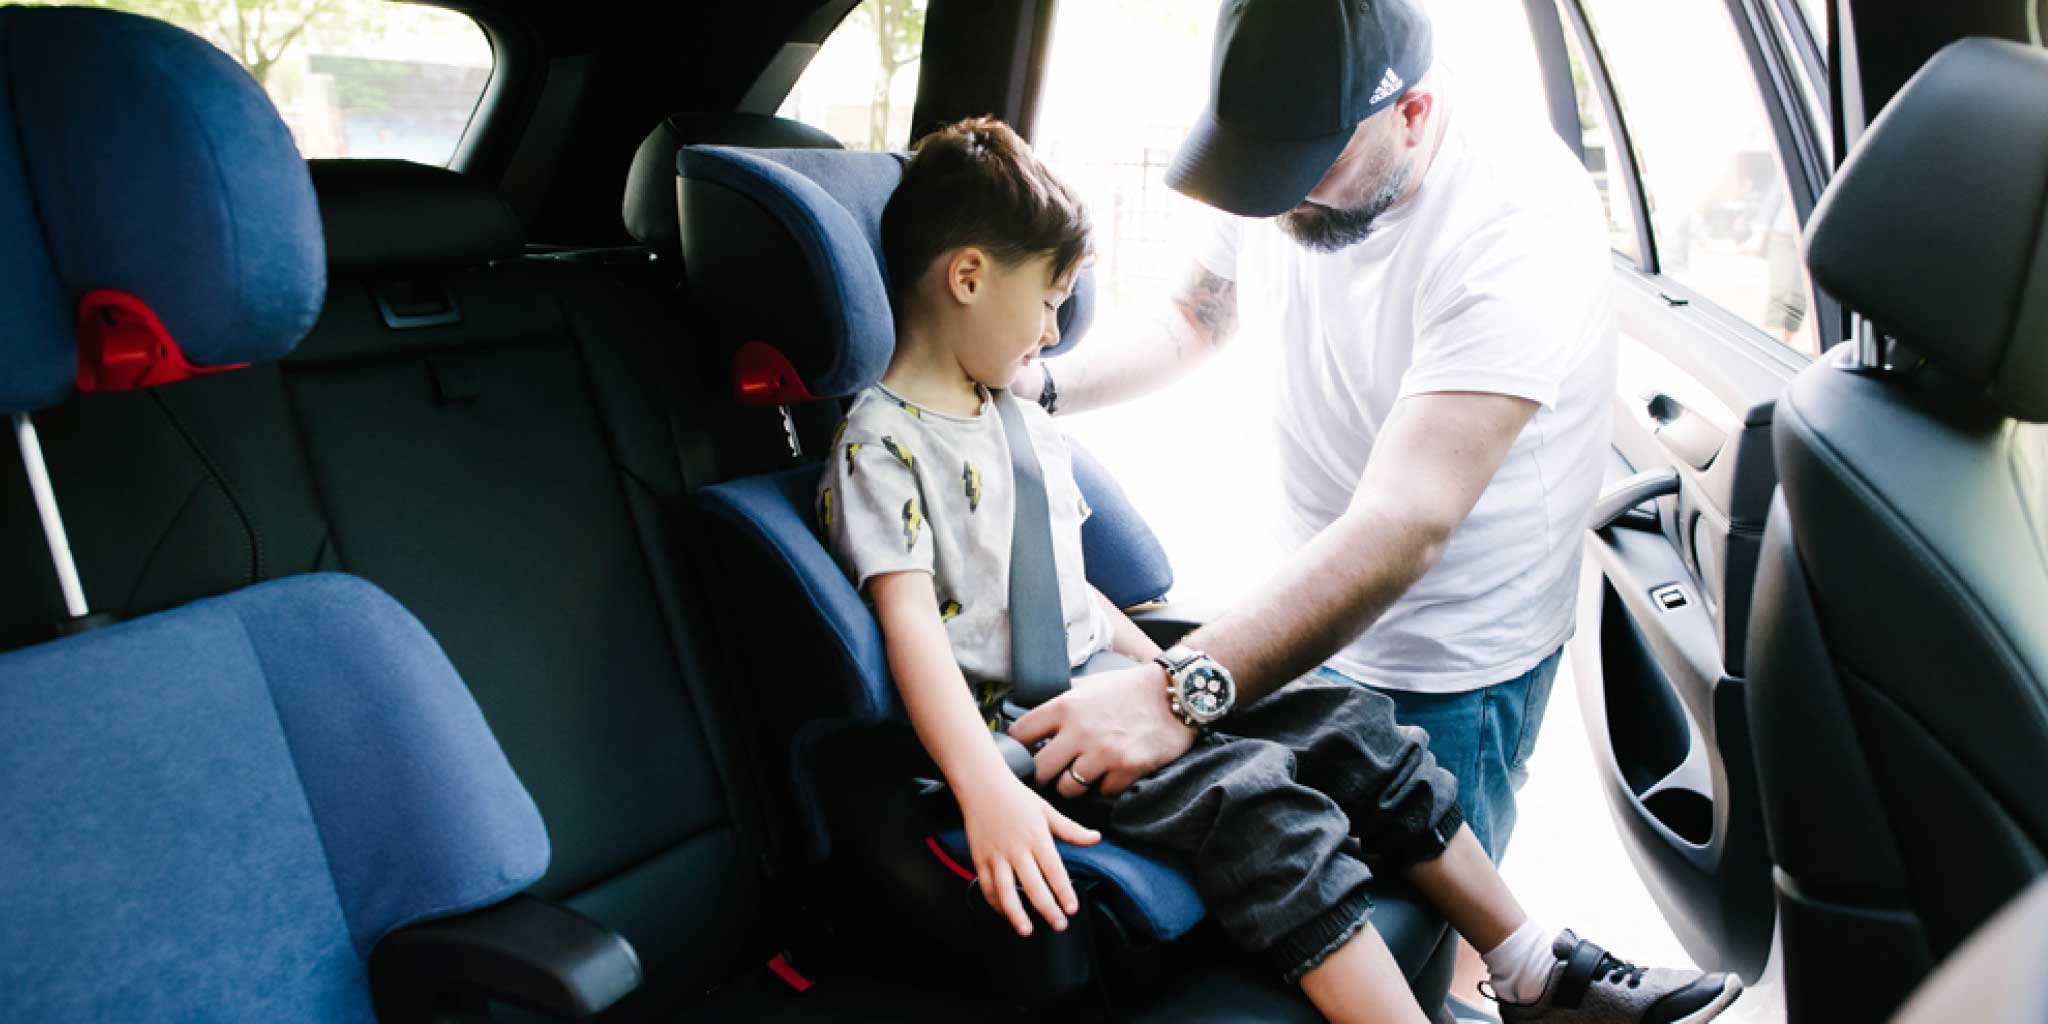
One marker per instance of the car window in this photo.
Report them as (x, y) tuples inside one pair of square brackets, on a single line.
[(1603, 158), (1721, 214), (351, 78), (862, 84), (1817, 17), (1196, 458)]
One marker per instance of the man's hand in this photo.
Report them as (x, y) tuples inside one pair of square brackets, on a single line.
[(1010, 831), (1112, 730)]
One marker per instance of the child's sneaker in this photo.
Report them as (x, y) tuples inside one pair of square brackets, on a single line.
[(1589, 986)]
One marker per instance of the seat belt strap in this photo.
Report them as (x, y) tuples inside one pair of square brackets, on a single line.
[(1038, 633)]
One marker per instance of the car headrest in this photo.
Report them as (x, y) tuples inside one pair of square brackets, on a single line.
[(1936, 227), (783, 251), (156, 220), (650, 206), (396, 217)]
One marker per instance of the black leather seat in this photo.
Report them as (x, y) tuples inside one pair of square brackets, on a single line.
[(1977, 984), (1899, 637)]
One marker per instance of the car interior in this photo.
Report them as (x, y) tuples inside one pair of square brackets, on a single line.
[(412, 606)]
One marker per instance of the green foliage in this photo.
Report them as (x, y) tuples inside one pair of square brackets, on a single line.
[(365, 85), (258, 33), (899, 36)]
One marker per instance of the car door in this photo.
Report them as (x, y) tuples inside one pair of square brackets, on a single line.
[(1700, 122)]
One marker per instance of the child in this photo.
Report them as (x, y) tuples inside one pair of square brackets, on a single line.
[(983, 244)]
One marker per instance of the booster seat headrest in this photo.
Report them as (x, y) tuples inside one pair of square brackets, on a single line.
[(783, 250), (156, 219)]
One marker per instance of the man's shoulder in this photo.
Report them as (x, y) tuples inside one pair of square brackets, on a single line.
[(1525, 174), (1524, 206)]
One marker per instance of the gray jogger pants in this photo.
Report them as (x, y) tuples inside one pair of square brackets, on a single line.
[(1266, 806)]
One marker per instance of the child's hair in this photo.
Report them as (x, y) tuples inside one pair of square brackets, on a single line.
[(974, 182)]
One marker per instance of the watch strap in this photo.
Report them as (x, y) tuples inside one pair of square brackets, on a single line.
[(1177, 657)]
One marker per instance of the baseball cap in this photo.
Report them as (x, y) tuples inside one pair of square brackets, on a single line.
[(1288, 84)]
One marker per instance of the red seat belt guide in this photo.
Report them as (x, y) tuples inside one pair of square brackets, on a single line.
[(122, 345), (762, 375)]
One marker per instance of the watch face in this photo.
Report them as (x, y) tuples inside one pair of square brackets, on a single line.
[(1206, 692)]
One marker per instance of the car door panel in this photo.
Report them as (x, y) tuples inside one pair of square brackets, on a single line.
[(1665, 599), (1663, 610)]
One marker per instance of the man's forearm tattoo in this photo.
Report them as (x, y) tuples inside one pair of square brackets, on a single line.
[(1210, 303)]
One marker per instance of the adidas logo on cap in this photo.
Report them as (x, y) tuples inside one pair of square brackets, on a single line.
[(1390, 83)]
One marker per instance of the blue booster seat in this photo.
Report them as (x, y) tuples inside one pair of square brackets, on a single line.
[(231, 810), (809, 220)]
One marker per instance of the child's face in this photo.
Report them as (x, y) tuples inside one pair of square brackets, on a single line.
[(1015, 318)]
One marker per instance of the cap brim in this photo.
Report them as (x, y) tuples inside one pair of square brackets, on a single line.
[(1251, 177)]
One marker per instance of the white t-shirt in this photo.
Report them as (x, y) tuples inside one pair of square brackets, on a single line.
[(1493, 277)]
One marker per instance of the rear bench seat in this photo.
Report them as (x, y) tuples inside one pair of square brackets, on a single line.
[(510, 475)]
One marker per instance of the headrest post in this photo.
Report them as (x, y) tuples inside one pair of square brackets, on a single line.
[(53, 522), (796, 445), (1869, 343)]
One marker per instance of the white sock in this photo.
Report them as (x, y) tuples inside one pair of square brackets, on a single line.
[(1522, 963)]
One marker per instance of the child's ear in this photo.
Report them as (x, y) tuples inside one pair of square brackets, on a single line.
[(967, 272)]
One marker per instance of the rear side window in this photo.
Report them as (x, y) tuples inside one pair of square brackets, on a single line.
[(862, 84), (352, 78), (1721, 210), (1603, 158)]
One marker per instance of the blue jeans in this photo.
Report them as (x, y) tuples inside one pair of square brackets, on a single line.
[(1484, 737)]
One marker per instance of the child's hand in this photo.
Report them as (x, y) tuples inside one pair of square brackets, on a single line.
[(1010, 831)]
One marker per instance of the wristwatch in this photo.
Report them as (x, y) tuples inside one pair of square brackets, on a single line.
[(1198, 688)]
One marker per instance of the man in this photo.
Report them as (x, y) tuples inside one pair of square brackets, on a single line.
[(1439, 295)]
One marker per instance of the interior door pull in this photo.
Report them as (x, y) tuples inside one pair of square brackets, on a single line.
[(1685, 434), (1627, 494)]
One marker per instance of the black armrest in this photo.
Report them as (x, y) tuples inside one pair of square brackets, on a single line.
[(525, 951), (1168, 621)]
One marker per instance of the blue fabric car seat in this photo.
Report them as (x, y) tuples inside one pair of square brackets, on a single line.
[(827, 340), (783, 253), (216, 812)]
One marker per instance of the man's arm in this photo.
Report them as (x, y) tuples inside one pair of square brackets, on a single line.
[(1200, 318), (1432, 461)]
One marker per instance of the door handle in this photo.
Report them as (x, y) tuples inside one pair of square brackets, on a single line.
[(1685, 434), (1615, 501)]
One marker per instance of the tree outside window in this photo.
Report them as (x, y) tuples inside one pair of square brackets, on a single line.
[(350, 78)]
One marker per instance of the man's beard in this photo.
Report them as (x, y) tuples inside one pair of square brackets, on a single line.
[(1330, 228)]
